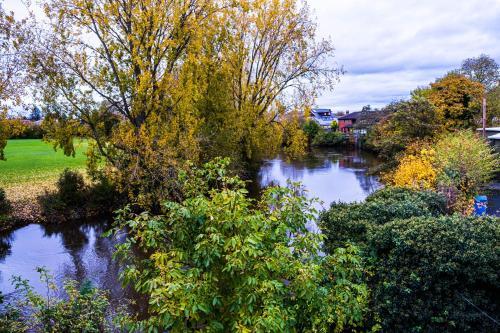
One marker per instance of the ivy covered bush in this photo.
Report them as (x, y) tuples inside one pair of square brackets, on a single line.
[(220, 262), (427, 271), (346, 223), (437, 274)]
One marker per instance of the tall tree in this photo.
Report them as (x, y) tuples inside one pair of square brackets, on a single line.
[(14, 40), (457, 100), (405, 123), (482, 69), (154, 82)]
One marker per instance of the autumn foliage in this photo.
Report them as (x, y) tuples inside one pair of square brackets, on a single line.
[(162, 82), (458, 165)]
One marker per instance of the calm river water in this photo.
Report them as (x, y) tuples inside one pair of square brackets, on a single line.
[(78, 252)]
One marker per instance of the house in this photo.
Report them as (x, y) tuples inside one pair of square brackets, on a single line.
[(493, 135), (323, 117), (347, 122)]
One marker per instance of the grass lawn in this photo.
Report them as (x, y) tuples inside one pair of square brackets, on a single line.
[(33, 161)]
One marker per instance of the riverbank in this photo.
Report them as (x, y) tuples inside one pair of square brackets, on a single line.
[(30, 171)]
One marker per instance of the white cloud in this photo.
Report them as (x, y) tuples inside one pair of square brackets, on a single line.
[(389, 47)]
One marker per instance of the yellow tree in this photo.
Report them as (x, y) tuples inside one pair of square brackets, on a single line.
[(415, 171), (125, 71), (14, 40), (457, 100), (269, 68), (157, 82)]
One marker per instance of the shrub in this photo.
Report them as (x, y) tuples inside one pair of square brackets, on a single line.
[(458, 165), (329, 138), (103, 195), (416, 171), (71, 187), (466, 163), (311, 128), (74, 199), (437, 274), (344, 223), (84, 308), (334, 126), (29, 131), (4, 203), (220, 262)]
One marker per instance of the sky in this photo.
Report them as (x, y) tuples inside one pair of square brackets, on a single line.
[(390, 47)]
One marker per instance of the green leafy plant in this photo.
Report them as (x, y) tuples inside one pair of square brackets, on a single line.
[(437, 274), (83, 309), (311, 129), (329, 138), (218, 262), (344, 223)]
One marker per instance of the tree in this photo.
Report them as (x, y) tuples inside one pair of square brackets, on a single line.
[(14, 40), (493, 106), (482, 69), (36, 114), (465, 164), (405, 123), (457, 100), (162, 82), (220, 262)]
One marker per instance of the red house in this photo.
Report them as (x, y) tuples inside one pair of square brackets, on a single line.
[(347, 122)]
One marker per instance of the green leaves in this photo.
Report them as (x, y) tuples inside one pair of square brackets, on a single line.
[(218, 262)]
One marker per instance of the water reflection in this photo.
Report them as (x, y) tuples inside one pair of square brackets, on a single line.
[(330, 175), (70, 251)]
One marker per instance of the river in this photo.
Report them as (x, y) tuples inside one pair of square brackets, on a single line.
[(78, 252)]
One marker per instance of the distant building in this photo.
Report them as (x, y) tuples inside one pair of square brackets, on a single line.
[(493, 136), (323, 117), (347, 122)]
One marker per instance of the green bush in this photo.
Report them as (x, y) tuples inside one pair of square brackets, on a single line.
[(311, 128), (74, 199), (344, 223), (329, 138), (4, 203), (437, 274), (31, 131), (83, 308), (220, 262), (71, 188)]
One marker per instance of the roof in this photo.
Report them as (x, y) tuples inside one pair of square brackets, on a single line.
[(321, 110), (490, 129), (352, 116)]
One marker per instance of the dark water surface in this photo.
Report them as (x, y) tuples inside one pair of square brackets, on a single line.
[(76, 251), (327, 174)]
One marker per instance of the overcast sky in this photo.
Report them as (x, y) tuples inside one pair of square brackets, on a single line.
[(390, 47)]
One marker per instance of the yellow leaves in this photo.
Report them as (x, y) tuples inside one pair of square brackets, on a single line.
[(457, 165), (457, 100), (416, 171)]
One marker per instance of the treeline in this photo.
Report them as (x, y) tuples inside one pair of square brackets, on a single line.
[(155, 84)]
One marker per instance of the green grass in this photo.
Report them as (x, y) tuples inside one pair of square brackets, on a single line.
[(31, 161)]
